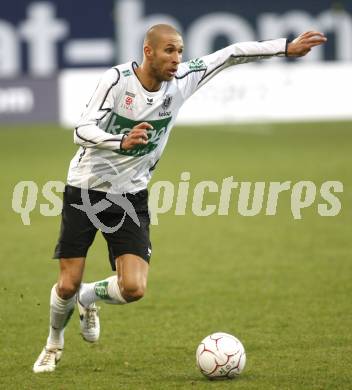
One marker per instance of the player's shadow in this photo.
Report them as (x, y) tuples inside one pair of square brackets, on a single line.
[(200, 379)]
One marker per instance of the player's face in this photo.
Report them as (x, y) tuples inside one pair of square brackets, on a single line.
[(166, 57)]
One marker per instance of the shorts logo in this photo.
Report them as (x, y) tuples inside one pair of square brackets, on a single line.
[(121, 125)]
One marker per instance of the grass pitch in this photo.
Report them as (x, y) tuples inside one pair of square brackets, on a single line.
[(282, 286)]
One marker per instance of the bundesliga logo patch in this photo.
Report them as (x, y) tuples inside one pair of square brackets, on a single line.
[(128, 101)]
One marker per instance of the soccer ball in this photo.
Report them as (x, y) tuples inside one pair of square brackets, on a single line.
[(221, 355)]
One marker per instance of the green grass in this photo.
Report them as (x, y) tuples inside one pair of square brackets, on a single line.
[(283, 286)]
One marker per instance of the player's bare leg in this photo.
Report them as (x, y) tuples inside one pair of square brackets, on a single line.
[(62, 302), (128, 285), (132, 273), (71, 273)]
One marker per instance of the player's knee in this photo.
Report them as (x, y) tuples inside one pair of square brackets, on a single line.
[(67, 288), (133, 292)]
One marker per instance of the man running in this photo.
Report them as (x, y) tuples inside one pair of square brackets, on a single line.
[(122, 134)]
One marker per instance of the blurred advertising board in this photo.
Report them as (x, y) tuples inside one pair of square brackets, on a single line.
[(51, 47), (245, 93), (38, 38), (28, 100)]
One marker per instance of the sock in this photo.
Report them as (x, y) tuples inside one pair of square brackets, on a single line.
[(107, 290), (60, 313)]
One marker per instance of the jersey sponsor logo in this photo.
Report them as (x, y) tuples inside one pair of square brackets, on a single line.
[(126, 72), (196, 64), (165, 113), (121, 125)]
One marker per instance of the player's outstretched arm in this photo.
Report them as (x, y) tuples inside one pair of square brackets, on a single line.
[(304, 43), (137, 136)]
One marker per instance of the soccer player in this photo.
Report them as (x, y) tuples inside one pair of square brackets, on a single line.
[(122, 134)]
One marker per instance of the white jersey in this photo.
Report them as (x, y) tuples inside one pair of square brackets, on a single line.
[(120, 102)]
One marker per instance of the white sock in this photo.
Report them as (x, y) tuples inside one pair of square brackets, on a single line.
[(60, 313), (107, 290)]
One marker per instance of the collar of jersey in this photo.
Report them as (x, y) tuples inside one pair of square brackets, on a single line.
[(151, 93)]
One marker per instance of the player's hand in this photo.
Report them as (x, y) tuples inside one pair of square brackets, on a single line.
[(137, 136), (304, 43)]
